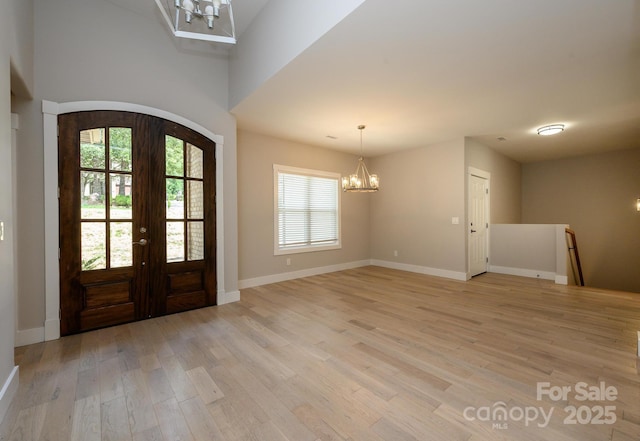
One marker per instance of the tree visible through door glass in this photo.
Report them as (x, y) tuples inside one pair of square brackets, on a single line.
[(106, 175)]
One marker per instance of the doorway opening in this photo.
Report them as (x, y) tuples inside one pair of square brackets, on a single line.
[(478, 221), (137, 219)]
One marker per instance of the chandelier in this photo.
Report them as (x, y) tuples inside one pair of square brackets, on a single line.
[(361, 180), (210, 20)]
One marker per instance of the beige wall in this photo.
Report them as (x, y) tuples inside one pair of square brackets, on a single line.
[(596, 196), (7, 295), (81, 55), (16, 69), (420, 191), (530, 250), (506, 178), (21, 43), (256, 156)]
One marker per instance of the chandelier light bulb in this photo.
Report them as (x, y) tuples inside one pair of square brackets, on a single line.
[(208, 14), (188, 7), (216, 8)]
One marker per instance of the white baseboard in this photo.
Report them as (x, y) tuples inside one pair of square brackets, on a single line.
[(225, 297), (275, 278), (523, 272), (52, 329), (8, 391), (562, 280), (455, 275), (29, 336)]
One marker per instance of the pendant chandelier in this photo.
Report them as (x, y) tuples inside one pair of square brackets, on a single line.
[(361, 181), (210, 20)]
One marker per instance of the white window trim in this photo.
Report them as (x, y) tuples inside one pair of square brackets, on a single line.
[(277, 251)]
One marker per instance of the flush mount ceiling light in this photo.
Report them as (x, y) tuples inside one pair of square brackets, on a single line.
[(551, 129), (210, 20), (361, 181)]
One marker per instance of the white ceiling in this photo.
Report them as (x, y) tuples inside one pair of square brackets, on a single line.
[(420, 72)]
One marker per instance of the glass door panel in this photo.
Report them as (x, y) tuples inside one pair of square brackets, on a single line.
[(174, 153), (195, 245), (93, 250), (120, 148), (175, 241), (120, 239), (121, 196), (99, 249), (92, 194), (185, 200), (195, 199), (175, 198), (195, 157), (92, 148)]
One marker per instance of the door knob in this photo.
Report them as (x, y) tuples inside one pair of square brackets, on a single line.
[(473, 231), (141, 242)]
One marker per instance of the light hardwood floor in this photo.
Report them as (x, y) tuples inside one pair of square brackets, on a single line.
[(367, 354)]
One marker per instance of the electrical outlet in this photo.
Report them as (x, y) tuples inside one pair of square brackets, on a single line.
[(1, 231), (395, 253), (455, 220), (288, 261)]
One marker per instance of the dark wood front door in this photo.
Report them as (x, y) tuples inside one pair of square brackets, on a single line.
[(137, 219)]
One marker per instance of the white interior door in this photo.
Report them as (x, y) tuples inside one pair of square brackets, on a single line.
[(478, 224)]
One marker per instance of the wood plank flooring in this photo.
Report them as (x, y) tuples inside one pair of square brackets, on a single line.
[(366, 354)]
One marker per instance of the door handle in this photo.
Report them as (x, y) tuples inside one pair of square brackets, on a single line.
[(473, 231), (141, 242)]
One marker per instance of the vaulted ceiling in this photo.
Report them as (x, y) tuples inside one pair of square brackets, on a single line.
[(421, 72)]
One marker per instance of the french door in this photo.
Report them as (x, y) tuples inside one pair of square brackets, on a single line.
[(137, 219)]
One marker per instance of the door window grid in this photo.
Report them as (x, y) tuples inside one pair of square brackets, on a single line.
[(106, 244), (185, 200)]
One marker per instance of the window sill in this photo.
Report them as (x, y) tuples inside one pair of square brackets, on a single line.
[(306, 249)]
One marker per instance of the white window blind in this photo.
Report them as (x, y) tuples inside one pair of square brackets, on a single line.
[(307, 214)]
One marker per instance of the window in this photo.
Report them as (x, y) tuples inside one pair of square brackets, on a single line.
[(307, 210)]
